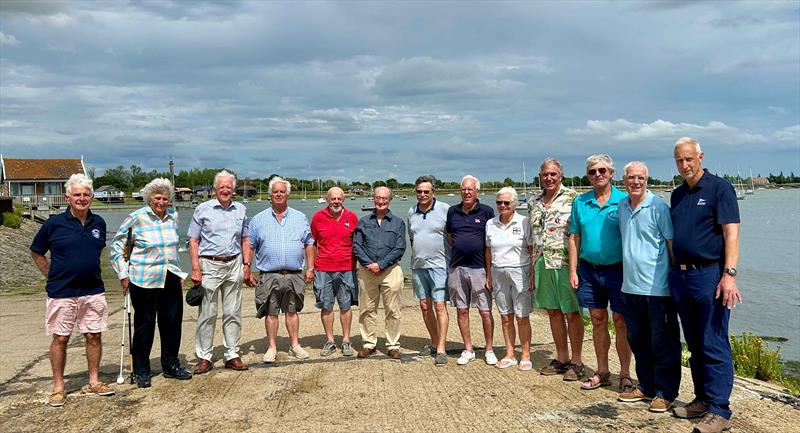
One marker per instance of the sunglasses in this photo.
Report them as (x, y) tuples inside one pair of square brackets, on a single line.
[(504, 203), (601, 170), (424, 191)]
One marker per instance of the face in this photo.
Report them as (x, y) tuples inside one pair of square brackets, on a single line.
[(504, 205), (80, 198), (159, 202), (469, 192), (636, 181), (689, 162), (382, 198), (335, 200), (224, 189), (599, 175), (279, 194), (424, 193), (551, 177)]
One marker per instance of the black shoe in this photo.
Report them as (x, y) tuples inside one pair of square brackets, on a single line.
[(179, 373), (142, 380)]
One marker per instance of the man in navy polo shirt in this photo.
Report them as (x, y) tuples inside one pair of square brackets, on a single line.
[(705, 218), (75, 291), (468, 278)]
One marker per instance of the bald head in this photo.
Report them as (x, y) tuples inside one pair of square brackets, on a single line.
[(335, 200), (336, 191)]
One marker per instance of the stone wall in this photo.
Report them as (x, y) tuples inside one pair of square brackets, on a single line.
[(16, 266)]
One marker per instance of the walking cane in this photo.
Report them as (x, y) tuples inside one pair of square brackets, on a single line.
[(120, 379), (130, 346)]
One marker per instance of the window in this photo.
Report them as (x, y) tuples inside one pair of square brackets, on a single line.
[(27, 189), (52, 188)]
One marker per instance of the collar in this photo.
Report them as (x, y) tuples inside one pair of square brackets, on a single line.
[(388, 215), (561, 190), (433, 206), (515, 219), (327, 212), (285, 213), (613, 198), (216, 203), (704, 179), (647, 201), (460, 207), (70, 216), (152, 213)]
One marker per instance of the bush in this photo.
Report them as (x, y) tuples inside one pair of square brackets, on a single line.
[(11, 220), (753, 358)]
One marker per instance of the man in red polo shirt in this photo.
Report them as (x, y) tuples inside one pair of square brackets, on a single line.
[(332, 228)]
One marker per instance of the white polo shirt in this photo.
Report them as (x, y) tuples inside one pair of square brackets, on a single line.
[(509, 242)]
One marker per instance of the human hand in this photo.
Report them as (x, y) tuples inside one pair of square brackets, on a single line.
[(574, 280), (309, 275), (727, 290), (125, 282), (197, 276), (374, 268)]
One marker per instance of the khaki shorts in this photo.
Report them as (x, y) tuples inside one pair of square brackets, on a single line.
[(89, 312), (467, 287), (276, 293)]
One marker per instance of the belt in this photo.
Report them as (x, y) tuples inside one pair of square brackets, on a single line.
[(286, 271), (698, 265), (223, 259), (602, 267)]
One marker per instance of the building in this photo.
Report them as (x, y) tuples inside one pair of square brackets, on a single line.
[(37, 182)]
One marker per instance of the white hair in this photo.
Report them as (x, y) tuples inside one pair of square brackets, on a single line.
[(600, 157), (159, 185), (551, 161), (222, 174), (278, 179), (632, 164), (688, 141), (468, 177), (80, 180), (508, 190)]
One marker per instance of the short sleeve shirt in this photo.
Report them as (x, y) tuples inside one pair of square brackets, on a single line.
[(468, 231), (280, 245), (334, 239), (698, 214), (74, 254), (426, 231), (509, 242), (219, 229), (598, 227), (645, 231), (550, 227)]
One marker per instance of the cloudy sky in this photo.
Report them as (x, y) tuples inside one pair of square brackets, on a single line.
[(371, 90)]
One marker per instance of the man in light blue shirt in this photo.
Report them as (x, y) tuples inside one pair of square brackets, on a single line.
[(649, 310), (282, 241)]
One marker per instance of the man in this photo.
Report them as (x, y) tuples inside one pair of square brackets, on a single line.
[(332, 228), (75, 290), (426, 225), (705, 217), (281, 239), (649, 310), (550, 213), (378, 243), (469, 278), (596, 244), (219, 249)]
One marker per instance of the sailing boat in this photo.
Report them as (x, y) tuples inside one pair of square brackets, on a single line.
[(751, 189), (738, 186), (259, 192), (321, 199), (524, 197), (244, 198), (305, 197)]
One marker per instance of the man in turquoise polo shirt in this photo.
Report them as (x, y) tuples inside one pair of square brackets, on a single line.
[(595, 239)]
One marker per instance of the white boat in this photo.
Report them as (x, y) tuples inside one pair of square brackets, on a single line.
[(321, 199), (751, 189), (740, 194)]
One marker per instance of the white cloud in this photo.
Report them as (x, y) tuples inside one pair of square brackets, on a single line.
[(626, 131), (790, 134), (9, 40)]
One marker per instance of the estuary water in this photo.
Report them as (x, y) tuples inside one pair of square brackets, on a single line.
[(769, 261)]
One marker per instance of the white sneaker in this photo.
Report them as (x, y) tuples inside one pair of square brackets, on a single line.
[(490, 358), (465, 357), (269, 357)]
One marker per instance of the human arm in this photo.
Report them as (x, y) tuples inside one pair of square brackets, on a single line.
[(359, 247), (726, 288), (247, 263), (398, 247), (194, 257), (487, 255), (574, 248), (531, 279), (119, 243), (311, 254), (41, 262)]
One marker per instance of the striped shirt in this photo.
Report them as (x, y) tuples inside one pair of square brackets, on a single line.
[(155, 248), (280, 245)]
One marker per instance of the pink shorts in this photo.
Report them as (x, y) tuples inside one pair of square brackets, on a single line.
[(89, 312)]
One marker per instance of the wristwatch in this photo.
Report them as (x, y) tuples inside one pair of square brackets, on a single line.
[(245, 263), (730, 271)]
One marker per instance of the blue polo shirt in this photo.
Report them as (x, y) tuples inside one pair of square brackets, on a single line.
[(468, 231), (74, 254), (698, 214), (645, 258), (598, 227)]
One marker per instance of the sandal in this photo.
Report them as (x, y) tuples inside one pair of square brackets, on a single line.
[(603, 379), (525, 366), (626, 387), (506, 362)]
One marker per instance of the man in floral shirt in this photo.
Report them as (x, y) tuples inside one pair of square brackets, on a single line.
[(549, 215)]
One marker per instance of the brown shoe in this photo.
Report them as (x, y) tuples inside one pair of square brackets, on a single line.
[(659, 405), (366, 352), (633, 396), (573, 373), (394, 354), (236, 364), (204, 366), (57, 399), (712, 423), (695, 409)]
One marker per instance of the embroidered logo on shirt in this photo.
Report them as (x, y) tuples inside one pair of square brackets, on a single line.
[(96, 233), (347, 223), (516, 230), (701, 202), (477, 220)]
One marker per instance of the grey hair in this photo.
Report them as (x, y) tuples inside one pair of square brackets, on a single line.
[(391, 194), (159, 185), (468, 177), (635, 163), (508, 190), (334, 188), (278, 179), (551, 161), (427, 178), (684, 141), (79, 179), (600, 157), (224, 173)]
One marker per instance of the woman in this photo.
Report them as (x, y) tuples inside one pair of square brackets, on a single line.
[(509, 245), (152, 275)]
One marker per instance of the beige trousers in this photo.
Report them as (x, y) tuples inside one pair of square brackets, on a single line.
[(389, 285)]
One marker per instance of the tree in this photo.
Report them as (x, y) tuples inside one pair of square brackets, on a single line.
[(508, 182), (392, 183)]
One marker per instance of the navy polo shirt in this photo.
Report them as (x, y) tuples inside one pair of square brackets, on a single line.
[(698, 214), (468, 231), (74, 254)]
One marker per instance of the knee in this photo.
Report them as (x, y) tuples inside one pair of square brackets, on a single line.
[(619, 321), (425, 306), (555, 314), (523, 321), (462, 313), (440, 307), (61, 340), (93, 338), (599, 318)]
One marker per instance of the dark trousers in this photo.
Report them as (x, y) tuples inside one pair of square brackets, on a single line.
[(655, 340), (705, 328), (165, 304)]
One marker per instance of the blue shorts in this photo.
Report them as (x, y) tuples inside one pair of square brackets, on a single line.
[(340, 284), (430, 283), (600, 286)]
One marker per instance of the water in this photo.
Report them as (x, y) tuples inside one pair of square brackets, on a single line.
[(769, 260)]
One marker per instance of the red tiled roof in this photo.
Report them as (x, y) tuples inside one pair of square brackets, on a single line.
[(41, 169)]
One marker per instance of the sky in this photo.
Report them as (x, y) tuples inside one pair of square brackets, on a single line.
[(359, 91)]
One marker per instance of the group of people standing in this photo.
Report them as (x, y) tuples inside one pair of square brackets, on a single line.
[(651, 263)]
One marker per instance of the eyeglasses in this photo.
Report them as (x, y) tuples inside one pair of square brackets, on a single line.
[(381, 199), (424, 191), (601, 170), (503, 202), (468, 189)]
